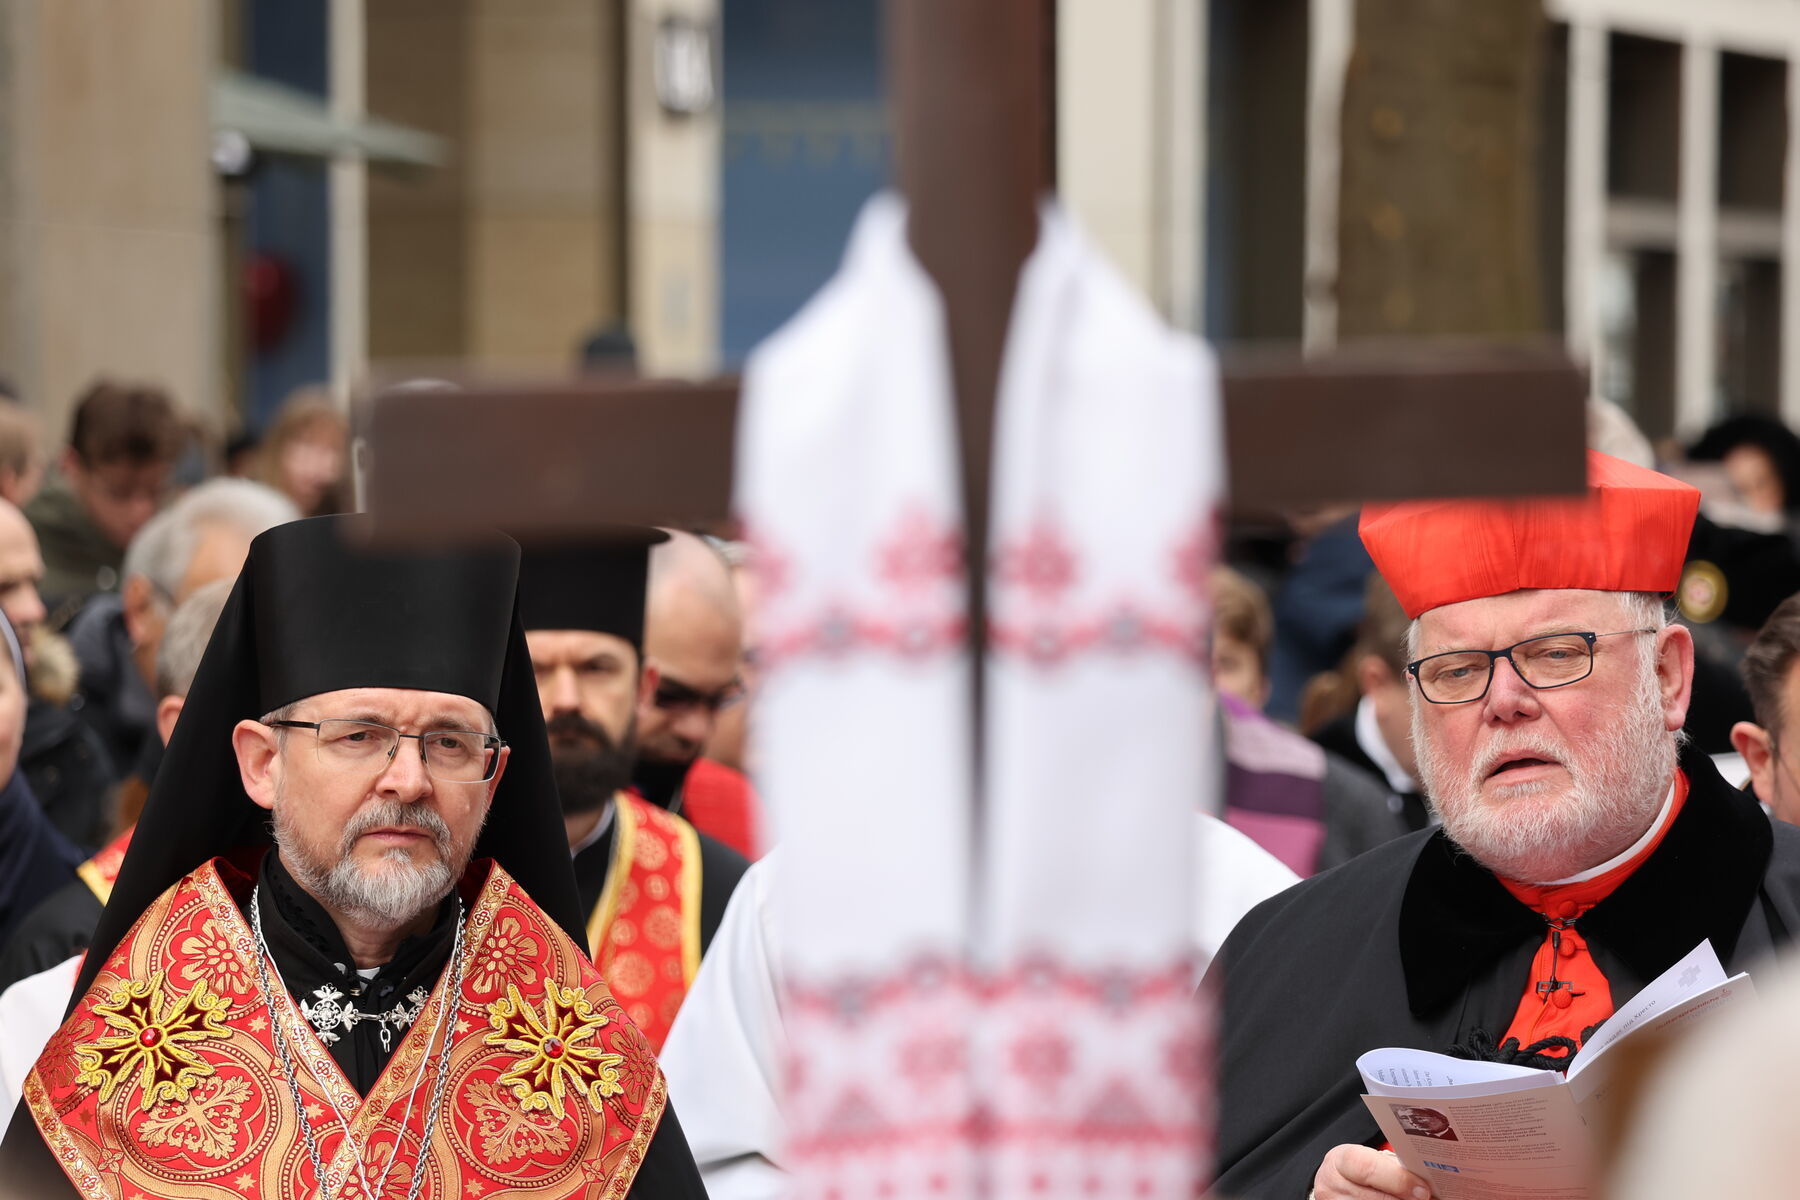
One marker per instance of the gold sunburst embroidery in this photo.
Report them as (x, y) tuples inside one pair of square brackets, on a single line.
[(558, 1047), (154, 1033)]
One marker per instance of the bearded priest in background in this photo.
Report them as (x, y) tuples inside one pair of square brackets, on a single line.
[(654, 887), (1583, 851), (393, 1000)]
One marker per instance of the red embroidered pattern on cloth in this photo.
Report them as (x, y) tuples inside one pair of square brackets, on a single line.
[(919, 569), (159, 1086), (1007, 1085)]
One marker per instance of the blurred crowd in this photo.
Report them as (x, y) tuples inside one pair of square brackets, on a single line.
[(130, 532), (121, 538), (105, 532), (106, 528)]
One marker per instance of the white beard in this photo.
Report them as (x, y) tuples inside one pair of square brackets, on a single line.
[(1528, 834)]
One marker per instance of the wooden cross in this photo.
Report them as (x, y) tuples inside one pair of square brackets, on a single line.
[(974, 124), (1299, 432)]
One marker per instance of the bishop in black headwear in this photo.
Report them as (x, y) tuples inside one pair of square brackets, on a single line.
[(653, 887), (391, 1000)]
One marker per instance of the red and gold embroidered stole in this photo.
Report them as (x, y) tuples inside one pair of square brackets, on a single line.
[(165, 1081), (100, 871), (645, 931)]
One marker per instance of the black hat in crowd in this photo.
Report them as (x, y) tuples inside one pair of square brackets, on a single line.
[(317, 610), (1768, 434), (597, 583)]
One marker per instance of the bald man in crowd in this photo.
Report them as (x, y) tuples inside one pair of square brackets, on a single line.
[(21, 570), (693, 636), (64, 760)]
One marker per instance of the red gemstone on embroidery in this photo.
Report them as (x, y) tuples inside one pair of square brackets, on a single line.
[(553, 1048), (150, 1036)]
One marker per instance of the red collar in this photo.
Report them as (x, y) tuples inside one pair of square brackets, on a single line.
[(1569, 900)]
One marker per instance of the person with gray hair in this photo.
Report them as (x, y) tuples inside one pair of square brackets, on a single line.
[(201, 537), (183, 642)]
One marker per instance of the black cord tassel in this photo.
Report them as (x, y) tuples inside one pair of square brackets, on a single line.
[(1480, 1047)]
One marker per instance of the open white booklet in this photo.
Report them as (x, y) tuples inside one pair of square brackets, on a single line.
[(1482, 1131)]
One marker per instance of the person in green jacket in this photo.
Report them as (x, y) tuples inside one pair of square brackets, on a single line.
[(114, 474)]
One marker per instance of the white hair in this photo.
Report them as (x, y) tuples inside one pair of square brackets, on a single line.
[(165, 546), (185, 637), (1617, 781)]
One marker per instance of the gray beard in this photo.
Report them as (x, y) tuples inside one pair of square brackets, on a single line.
[(392, 893)]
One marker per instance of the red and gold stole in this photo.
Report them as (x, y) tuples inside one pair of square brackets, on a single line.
[(100, 871), (166, 1082), (645, 931)]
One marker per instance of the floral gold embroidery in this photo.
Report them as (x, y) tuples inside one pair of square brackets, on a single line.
[(509, 1132), (207, 1122), (509, 952), (153, 1039), (638, 1072), (57, 1064), (554, 1059), (663, 926), (208, 955), (630, 974), (651, 854)]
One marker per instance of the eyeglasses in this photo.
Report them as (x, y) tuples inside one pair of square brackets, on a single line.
[(671, 696), (450, 755), (1553, 661)]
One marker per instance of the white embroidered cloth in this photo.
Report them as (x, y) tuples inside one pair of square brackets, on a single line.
[(990, 999)]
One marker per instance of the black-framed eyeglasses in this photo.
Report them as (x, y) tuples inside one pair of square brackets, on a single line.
[(1552, 661), (450, 755), (671, 695)]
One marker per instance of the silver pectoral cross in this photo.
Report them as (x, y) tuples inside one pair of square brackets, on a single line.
[(330, 1014)]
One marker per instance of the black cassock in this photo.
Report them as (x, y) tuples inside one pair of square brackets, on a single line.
[(63, 923), (1415, 944), (55, 931)]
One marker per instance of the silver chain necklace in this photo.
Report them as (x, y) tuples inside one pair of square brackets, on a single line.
[(264, 961), (328, 1015)]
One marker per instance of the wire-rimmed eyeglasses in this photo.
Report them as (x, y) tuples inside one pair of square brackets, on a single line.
[(450, 755), (1551, 661)]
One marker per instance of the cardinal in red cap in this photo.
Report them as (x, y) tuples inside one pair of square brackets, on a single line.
[(1582, 850)]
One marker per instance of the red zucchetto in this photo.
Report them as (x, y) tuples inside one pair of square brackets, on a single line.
[(1630, 534)]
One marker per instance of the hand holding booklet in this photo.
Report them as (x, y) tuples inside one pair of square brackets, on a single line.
[(1483, 1130)]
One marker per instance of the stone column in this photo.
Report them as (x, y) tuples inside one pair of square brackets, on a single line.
[(1697, 262), (673, 178), (1130, 103), (109, 228), (540, 181)]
